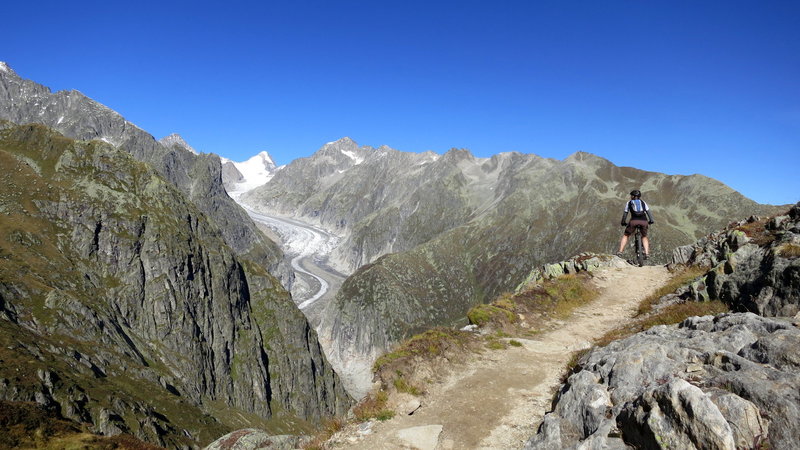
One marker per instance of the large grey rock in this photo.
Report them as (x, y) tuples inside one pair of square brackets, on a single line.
[(706, 383), (676, 415), (253, 439)]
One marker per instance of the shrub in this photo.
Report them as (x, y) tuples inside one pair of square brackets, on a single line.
[(482, 315)]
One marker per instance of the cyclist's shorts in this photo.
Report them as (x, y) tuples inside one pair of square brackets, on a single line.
[(632, 225)]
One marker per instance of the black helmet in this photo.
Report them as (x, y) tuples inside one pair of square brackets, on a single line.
[(636, 193)]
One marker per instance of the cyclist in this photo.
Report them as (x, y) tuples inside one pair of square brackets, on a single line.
[(640, 216)]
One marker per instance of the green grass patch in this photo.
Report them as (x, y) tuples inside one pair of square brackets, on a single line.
[(496, 344), (483, 314), (515, 343), (426, 345), (557, 298), (402, 385)]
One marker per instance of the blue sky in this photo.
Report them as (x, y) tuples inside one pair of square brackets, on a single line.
[(666, 86)]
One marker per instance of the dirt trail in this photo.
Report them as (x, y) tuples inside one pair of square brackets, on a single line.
[(497, 399)]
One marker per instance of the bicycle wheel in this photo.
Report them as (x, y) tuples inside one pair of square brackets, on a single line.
[(639, 249)]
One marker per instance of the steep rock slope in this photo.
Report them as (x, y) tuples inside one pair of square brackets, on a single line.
[(197, 175), (121, 304)]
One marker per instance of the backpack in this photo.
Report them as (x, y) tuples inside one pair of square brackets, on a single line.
[(637, 209)]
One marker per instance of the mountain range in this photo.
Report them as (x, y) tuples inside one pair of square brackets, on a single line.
[(425, 236)]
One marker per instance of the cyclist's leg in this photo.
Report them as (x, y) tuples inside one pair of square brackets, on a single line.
[(646, 243), (622, 243)]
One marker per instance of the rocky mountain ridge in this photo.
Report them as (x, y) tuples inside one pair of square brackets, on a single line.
[(197, 175)]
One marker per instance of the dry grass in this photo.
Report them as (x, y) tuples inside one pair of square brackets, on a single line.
[(557, 298), (678, 280), (668, 316), (790, 251), (329, 428), (757, 232), (373, 407), (427, 345)]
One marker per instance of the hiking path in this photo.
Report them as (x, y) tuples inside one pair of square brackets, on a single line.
[(496, 399)]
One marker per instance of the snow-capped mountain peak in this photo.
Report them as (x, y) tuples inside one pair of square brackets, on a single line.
[(240, 177), (4, 68)]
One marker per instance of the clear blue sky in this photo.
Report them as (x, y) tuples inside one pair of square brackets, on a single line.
[(667, 86)]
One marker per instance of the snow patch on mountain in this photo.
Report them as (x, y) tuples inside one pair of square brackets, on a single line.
[(255, 172), (352, 155), (4, 67)]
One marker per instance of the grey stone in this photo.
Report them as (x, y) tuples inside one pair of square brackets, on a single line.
[(743, 417), (253, 439), (424, 437), (675, 415), (710, 382)]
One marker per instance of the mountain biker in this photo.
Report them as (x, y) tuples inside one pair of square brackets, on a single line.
[(640, 216)]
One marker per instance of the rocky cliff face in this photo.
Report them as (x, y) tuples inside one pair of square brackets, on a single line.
[(730, 381), (196, 175), (122, 305)]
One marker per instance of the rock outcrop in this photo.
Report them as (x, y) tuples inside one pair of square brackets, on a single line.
[(726, 382), (122, 306), (754, 265), (249, 439)]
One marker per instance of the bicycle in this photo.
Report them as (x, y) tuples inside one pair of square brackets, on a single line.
[(638, 246)]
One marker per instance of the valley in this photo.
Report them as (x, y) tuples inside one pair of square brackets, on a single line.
[(309, 248)]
